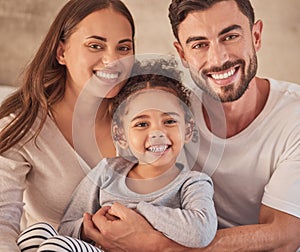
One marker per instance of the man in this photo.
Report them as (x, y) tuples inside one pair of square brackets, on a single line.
[(256, 135), (257, 181)]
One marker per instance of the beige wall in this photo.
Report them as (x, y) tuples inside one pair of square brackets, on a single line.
[(23, 24)]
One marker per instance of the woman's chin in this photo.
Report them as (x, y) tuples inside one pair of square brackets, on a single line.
[(113, 92)]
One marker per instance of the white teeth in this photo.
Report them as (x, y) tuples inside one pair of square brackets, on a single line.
[(224, 75), (108, 76), (157, 148)]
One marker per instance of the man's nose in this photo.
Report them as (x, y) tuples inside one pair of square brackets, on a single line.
[(217, 54)]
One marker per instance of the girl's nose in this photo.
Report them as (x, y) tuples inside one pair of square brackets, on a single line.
[(156, 134)]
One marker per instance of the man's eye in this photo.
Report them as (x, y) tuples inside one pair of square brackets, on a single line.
[(200, 46), (230, 37)]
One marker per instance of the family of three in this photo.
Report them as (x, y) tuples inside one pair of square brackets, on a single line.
[(85, 100)]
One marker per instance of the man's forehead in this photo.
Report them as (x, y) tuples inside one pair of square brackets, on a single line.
[(212, 20)]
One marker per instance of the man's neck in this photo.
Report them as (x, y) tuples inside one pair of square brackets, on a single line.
[(230, 118)]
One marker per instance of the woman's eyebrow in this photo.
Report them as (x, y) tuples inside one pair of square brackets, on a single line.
[(98, 38), (105, 39)]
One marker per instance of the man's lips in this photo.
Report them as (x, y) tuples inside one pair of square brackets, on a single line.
[(223, 77)]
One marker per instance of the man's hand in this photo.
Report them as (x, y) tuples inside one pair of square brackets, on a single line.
[(118, 228)]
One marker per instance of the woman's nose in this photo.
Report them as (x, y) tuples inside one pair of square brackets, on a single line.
[(109, 58)]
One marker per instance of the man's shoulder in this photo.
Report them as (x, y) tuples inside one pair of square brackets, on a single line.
[(285, 87)]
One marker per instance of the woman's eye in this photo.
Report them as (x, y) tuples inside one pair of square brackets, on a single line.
[(95, 46), (125, 49)]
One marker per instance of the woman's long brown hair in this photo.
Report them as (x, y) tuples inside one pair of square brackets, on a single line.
[(44, 79)]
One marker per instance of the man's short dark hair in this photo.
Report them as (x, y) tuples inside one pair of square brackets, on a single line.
[(179, 9)]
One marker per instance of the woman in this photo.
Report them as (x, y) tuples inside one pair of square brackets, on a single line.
[(39, 164)]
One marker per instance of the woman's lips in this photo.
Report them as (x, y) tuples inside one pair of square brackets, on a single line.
[(109, 77)]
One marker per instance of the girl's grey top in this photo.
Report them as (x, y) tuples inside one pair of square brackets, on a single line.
[(183, 210)]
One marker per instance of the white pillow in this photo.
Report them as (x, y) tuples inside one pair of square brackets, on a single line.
[(5, 91)]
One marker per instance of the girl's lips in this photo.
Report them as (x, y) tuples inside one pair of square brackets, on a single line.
[(158, 149)]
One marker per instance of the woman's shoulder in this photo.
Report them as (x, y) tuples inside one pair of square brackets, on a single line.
[(6, 120)]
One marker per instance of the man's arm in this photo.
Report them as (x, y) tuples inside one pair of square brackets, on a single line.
[(276, 231), (131, 232)]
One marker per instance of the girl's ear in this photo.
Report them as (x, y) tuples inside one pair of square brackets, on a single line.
[(119, 136), (189, 130), (60, 53)]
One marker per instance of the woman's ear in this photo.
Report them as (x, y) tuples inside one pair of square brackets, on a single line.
[(119, 136), (189, 130), (60, 53)]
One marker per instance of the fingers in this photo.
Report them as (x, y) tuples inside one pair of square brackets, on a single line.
[(119, 211), (103, 210), (89, 230)]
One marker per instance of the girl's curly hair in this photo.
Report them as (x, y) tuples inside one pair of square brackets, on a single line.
[(155, 73)]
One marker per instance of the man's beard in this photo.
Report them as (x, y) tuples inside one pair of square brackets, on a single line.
[(228, 93)]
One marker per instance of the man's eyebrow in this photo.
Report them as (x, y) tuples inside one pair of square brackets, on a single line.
[(195, 38), (105, 39), (230, 28), (224, 31)]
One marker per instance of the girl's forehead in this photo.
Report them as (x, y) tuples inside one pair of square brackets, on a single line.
[(153, 100)]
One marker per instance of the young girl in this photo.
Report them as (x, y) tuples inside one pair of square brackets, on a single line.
[(89, 42), (153, 121)]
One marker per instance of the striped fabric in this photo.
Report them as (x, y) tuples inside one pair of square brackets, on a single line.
[(42, 237)]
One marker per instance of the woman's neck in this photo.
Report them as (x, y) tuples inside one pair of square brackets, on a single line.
[(85, 122)]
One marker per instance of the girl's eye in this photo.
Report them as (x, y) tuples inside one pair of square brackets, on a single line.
[(141, 124), (171, 122)]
